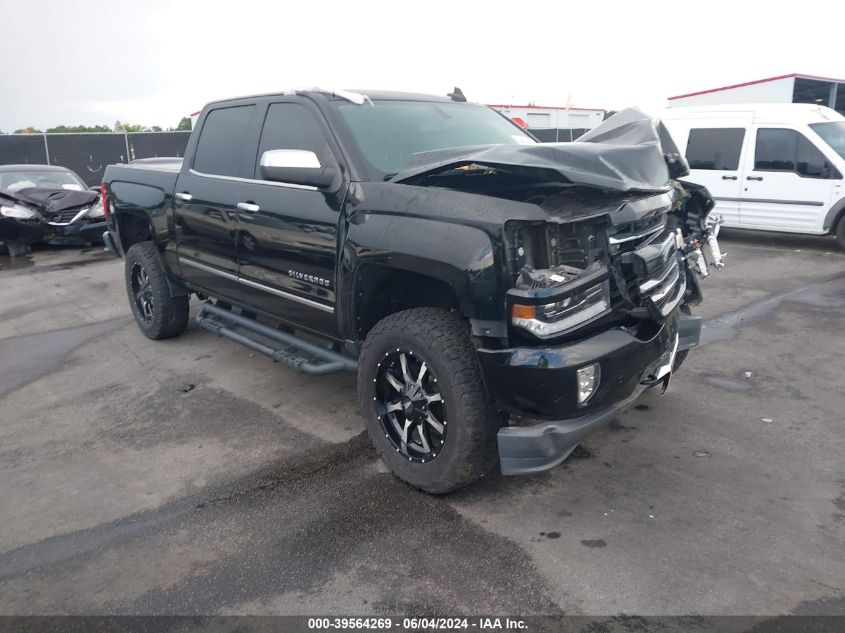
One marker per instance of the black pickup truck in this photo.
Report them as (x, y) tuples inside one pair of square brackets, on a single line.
[(500, 299)]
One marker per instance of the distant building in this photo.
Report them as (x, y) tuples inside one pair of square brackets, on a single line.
[(553, 123), (793, 88)]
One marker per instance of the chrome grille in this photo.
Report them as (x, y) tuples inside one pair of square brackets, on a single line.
[(65, 217), (632, 235), (652, 273)]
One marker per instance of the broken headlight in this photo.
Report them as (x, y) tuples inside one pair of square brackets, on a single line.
[(575, 309), (17, 211), (96, 210)]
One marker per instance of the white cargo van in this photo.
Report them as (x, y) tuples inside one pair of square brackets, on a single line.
[(769, 166)]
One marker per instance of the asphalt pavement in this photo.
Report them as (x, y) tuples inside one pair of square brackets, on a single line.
[(191, 476)]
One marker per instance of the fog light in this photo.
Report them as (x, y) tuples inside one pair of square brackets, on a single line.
[(588, 381)]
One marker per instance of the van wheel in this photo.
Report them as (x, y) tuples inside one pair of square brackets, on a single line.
[(157, 313), (423, 400), (840, 232)]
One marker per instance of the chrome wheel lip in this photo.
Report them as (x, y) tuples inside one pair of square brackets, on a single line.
[(409, 406), (142, 292)]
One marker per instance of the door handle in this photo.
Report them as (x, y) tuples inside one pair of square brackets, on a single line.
[(754, 178), (728, 177), (249, 207), (184, 196)]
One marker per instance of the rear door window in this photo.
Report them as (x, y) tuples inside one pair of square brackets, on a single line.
[(715, 148), (220, 146)]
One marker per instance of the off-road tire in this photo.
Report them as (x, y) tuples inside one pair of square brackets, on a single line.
[(169, 314), (442, 339), (840, 232)]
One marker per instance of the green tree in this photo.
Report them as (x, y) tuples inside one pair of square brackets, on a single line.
[(27, 130), (184, 124), (76, 129), (128, 127)]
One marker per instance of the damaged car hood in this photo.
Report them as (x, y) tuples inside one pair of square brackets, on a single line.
[(51, 201), (629, 152)]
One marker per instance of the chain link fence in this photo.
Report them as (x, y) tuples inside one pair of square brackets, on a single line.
[(89, 154)]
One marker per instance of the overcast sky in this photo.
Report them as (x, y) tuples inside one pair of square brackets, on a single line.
[(153, 62)]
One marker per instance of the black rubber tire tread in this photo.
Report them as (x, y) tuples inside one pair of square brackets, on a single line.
[(442, 339), (170, 314), (840, 232)]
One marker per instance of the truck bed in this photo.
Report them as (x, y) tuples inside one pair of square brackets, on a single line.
[(143, 184)]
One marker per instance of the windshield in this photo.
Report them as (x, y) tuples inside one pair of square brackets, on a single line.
[(14, 180), (833, 134), (390, 132)]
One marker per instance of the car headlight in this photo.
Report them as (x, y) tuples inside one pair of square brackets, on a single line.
[(96, 211), (576, 309), (18, 211)]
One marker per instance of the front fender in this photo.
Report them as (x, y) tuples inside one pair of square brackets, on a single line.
[(830, 218), (462, 256)]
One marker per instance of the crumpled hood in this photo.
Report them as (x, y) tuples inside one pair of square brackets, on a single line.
[(49, 200), (631, 151)]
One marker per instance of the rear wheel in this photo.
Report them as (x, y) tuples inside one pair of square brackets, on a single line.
[(423, 400), (158, 314)]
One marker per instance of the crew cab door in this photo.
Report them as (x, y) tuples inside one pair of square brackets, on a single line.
[(207, 192), (788, 182), (287, 234), (714, 155)]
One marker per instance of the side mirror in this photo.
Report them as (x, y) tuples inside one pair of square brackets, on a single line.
[(295, 166)]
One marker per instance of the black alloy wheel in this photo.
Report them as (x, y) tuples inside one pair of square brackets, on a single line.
[(424, 402), (143, 293), (410, 405), (159, 312)]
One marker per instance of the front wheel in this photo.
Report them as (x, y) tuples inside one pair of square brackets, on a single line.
[(158, 314), (424, 402), (840, 232)]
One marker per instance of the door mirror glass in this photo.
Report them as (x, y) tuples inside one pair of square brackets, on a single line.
[(295, 166)]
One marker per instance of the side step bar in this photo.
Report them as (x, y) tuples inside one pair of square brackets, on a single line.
[(278, 345)]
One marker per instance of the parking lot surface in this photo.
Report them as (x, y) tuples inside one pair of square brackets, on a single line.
[(190, 476)]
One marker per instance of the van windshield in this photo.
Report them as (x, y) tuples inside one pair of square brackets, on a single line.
[(833, 134)]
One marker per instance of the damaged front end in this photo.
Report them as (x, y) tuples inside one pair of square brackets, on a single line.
[(55, 216), (600, 289), (638, 261)]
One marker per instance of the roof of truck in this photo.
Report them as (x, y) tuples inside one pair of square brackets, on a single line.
[(390, 95), (338, 95)]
